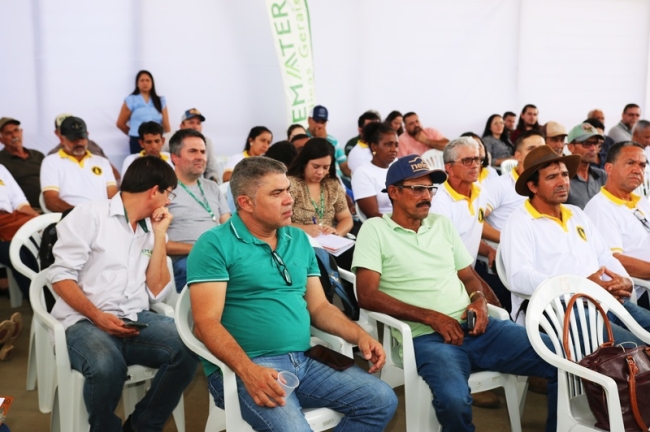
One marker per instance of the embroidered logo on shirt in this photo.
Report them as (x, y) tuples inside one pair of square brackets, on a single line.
[(147, 252), (581, 233), (96, 170), (481, 215)]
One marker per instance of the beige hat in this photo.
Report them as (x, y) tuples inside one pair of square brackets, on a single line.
[(553, 129)]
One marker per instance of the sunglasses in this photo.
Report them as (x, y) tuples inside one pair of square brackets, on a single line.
[(282, 267), (468, 161), (418, 190), (639, 215)]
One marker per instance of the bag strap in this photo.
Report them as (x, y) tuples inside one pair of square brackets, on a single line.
[(633, 400), (567, 317)]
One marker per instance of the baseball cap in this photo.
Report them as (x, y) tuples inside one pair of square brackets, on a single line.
[(412, 166), (8, 120), (192, 112), (553, 129), (59, 119), (319, 113), (583, 132), (73, 128)]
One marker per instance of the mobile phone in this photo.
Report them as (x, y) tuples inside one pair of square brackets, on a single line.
[(471, 319), (329, 357), (135, 325)]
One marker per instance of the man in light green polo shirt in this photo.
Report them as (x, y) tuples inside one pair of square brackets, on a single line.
[(414, 266), (255, 290)]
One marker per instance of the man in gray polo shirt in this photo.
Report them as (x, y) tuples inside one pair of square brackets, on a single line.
[(585, 141), (199, 204)]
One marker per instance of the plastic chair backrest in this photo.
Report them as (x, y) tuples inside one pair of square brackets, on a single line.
[(434, 159), (507, 166), (30, 230)]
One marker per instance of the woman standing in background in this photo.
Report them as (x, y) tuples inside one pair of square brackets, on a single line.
[(141, 106)]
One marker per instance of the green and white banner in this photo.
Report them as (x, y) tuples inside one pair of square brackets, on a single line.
[(292, 39)]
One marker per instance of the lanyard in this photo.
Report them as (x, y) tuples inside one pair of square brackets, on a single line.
[(320, 211), (203, 203)]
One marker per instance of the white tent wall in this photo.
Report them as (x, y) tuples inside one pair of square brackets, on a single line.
[(454, 63)]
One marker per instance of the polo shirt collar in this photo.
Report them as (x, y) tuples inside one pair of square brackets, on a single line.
[(618, 201), (241, 231), (246, 154), (483, 174), (425, 224), (564, 211), (5, 151), (64, 155), (116, 208), (362, 144), (162, 156), (625, 128), (515, 174), (474, 193)]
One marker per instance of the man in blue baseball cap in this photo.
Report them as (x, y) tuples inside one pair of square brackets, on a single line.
[(413, 265)]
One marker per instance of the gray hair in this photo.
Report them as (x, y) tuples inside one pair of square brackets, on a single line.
[(640, 126), (248, 173), (450, 153), (176, 141)]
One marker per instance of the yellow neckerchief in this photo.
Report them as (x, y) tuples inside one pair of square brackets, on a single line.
[(631, 204), (457, 197), (246, 154), (162, 156), (564, 212), (483, 175), (64, 155), (362, 144)]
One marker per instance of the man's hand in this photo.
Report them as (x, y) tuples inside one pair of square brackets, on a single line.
[(448, 328), (421, 137), (160, 219), (491, 256), (114, 326), (372, 351), (618, 286), (479, 306), (261, 383)]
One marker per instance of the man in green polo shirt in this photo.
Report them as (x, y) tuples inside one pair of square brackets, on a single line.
[(255, 292), (413, 265)]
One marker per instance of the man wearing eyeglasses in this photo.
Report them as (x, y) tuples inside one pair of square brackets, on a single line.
[(255, 290), (585, 141), (110, 265), (414, 266), (622, 216)]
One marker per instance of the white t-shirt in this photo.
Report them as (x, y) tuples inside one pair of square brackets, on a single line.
[(359, 155), (11, 195), (467, 214), (130, 158), (502, 199), (234, 160), (623, 232), (368, 181), (536, 247), (77, 181)]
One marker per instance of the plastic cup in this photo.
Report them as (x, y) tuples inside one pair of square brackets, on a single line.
[(288, 381)]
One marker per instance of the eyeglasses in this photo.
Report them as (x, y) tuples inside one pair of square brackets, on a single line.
[(639, 215), (282, 267), (170, 195), (468, 161), (418, 190), (591, 143)]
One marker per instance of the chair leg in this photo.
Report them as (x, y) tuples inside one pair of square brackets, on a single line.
[(512, 399), (31, 362), (216, 416), (15, 295), (522, 389), (179, 415)]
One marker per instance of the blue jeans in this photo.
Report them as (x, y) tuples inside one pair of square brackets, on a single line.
[(180, 272), (504, 347), (103, 359), (368, 403), (621, 333)]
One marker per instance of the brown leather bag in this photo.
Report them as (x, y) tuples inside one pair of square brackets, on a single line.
[(10, 223), (629, 368)]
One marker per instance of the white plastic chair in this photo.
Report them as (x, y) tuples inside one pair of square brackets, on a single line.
[(434, 159), (29, 236), (420, 415), (319, 418), (69, 410), (507, 165), (223, 187), (547, 309), (364, 321), (360, 214), (172, 297), (41, 202)]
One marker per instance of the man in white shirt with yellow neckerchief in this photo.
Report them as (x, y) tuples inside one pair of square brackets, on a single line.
[(621, 216), (545, 238), (73, 175), (151, 140), (502, 199)]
